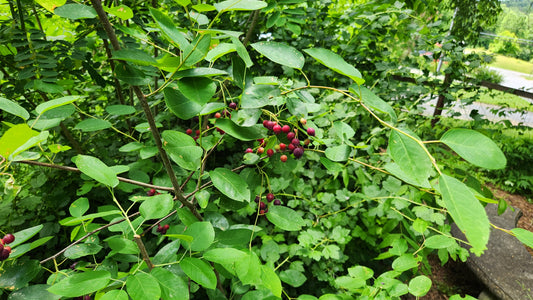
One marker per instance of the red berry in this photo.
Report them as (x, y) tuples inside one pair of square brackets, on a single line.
[(291, 147), (271, 124), (4, 254), (265, 123), (189, 131), (87, 297), (298, 152), (1, 247), (151, 192), (262, 205), (311, 131), (7, 248), (166, 227), (257, 198), (286, 128), (295, 142), (195, 137), (277, 202), (270, 197), (260, 150), (262, 212), (270, 152), (283, 158), (159, 228), (282, 146), (276, 129), (218, 115), (233, 105), (249, 150), (291, 136), (197, 132)]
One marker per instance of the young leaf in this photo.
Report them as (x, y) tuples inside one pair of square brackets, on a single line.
[(466, 211), (182, 149), (230, 184), (81, 284), (271, 280), (199, 271), (335, 62), (33, 141), (410, 156), (15, 137), (142, 286), (525, 236), (281, 53), (475, 148), (96, 169), (419, 286), (285, 218), (13, 108)]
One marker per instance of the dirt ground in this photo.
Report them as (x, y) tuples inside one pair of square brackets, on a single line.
[(455, 277)]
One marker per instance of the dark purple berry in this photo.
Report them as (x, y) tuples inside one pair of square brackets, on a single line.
[(233, 105), (270, 197), (262, 205), (291, 136), (277, 202), (8, 238), (298, 152)]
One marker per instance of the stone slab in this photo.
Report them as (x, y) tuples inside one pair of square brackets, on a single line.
[(506, 267)]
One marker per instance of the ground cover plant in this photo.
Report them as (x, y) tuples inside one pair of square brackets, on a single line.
[(156, 153)]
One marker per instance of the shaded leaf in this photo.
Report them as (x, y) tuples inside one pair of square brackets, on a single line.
[(81, 284), (96, 169), (285, 218), (13, 108), (230, 184), (199, 271)]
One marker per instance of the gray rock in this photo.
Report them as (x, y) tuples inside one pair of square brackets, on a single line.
[(506, 267)]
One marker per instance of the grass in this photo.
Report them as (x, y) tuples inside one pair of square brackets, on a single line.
[(498, 98), (507, 63)]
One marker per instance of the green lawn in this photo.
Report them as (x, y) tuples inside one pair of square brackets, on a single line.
[(508, 63), (500, 98)]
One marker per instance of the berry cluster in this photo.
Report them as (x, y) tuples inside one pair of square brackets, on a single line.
[(6, 250), (293, 145), (162, 229), (263, 207)]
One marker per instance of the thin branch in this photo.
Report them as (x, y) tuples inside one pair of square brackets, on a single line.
[(72, 169), (86, 236), (144, 253)]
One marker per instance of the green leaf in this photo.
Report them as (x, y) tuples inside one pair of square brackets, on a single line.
[(13, 108), (197, 50), (349, 283), (466, 211), (203, 7), (120, 110), (15, 137), (336, 63), (338, 153), (81, 250), (410, 156), (182, 149), (173, 287), (135, 56), (79, 207), (281, 53), (271, 280), (285, 218), (224, 256), (26, 234), (33, 141), (344, 131), (230, 184), (186, 216), (72, 221), (90, 125), (248, 269), (115, 295), (199, 271), (96, 169), (524, 236), (292, 277), (239, 5), (419, 286), (169, 28), (200, 72), (361, 272), (75, 11), (50, 5), (405, 262), (475, 148), (197, 89), (212, 107), (439, 242), (241, 51), (373, 101), (18, 274), (241, 133), (121, 245), (121, 11), (34, 292), (132, 75), (81, 284), (258, 95), (203, 235), (180, 105), (219, 51), (48, 105), (156, 206), (142, 286)]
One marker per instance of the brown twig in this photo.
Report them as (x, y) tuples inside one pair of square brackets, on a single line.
[(86, 236), (72, 169), (144, 254)]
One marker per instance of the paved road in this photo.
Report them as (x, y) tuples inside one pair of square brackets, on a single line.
[(515, 80)]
